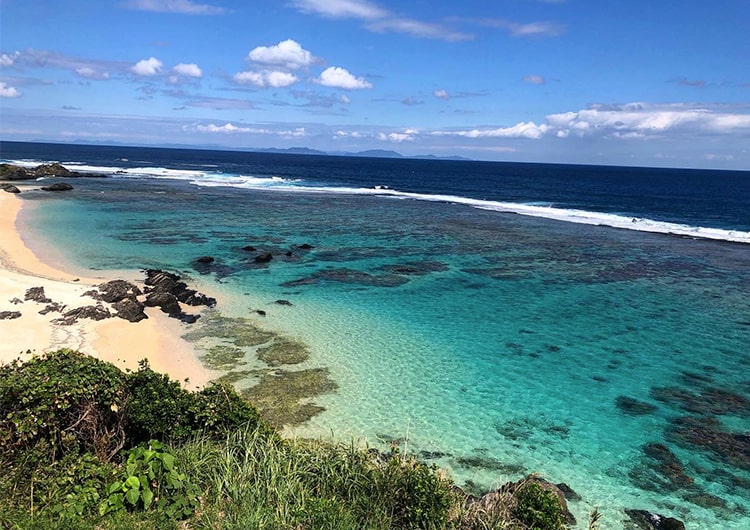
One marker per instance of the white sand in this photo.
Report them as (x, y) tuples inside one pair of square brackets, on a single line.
[(123, 343)]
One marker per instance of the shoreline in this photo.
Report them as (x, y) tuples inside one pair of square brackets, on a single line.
[(157, 338)]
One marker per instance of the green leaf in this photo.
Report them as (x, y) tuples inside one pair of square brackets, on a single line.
[(148, 497), (133, 482), (168, 461), (132, 496), (115, 486)]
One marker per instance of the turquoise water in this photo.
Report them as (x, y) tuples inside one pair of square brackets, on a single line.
[(492, 344)]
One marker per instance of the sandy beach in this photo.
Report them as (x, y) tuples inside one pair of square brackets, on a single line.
[(118, 341)]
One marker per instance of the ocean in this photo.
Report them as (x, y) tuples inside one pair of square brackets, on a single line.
[(587, 323)]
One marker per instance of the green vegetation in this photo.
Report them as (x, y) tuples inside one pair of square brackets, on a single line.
[(84, 445)]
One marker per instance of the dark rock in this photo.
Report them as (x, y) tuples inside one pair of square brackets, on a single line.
[(283, 302), (644, 520), (260, 312), (13, 172), (249, 248), (16, 301), (52, 170), (130, 310), (265, 257), (54, 307), (166, 282), (9, 315), (306, 246), (36, 294), (93, 312), (205, 259), (187, 318), (167, 302), (93, 293), (707, 434), (58, 186), (10, 188), (118, 290), (569, 493), (633, 407)]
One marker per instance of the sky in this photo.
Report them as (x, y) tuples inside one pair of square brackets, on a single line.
[(620, 82)]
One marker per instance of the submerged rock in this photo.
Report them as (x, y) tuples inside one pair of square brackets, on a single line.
[(265, 257), (633, 407), (644, 520), (205, 259), (58, 186)]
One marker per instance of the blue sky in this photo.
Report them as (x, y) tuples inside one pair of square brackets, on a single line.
[(638, 82)]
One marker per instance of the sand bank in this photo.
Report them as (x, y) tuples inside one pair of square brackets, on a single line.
[(123, 343)]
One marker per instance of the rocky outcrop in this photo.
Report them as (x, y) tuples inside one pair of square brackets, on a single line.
[(9, 315), (92, 312), (58, 186), (130, 310), (644, 520), (166, 291), (10, 188), (167, 302), (117, 291), (36, 294), (14, 172)]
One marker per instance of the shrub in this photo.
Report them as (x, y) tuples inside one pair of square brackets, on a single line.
[(61, 402), (538, 507)]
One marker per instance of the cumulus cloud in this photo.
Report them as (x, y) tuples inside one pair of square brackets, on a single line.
[(520, 130), (441, 94), (288, 54), (188, 70), (229, 128), (266, 78), (336, 77), (185, 7), (8, 91), (534, 79), (147, 67)]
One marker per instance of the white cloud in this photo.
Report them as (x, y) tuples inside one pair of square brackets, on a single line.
[(407, 135), (342, 8), (266, 78), (188, 70), (288, 54), (229, 128), (91, 73), (340, 78), (8, 91), (517, 29), (186, 7), (441, 94), (520, 130), (147, 67), (418, 29), (7, 59), (378, 19), (534, 79)]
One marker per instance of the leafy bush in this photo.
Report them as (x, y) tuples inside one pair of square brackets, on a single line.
[(151, 478), (538, 507), (61, 402)]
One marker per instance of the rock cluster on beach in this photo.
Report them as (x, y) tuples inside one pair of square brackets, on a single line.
[(122, 299), (11, 172)]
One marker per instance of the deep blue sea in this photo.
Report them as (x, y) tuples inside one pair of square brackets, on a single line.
[(587, 323)]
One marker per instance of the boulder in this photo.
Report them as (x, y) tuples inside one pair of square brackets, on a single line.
[(249, 248), (264, 257), (117, 291), (36, 294), (58, 186), (13, 172), (54, 307), (9, 315), (10, 188), (130, 310), (167, 302), (52, 170), (283, 302), (644, 520)]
